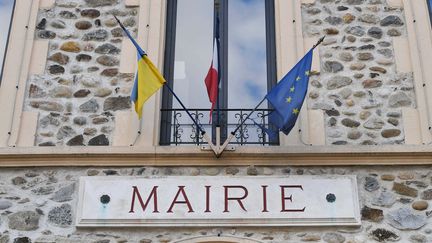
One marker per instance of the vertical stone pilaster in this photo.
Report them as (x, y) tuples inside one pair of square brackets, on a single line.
[(412, 126), (38, 57), (27, 131)]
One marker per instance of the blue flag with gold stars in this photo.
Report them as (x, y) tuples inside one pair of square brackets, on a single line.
[(288, 95)]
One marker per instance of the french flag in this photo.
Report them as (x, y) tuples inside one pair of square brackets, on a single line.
[(212, 78)]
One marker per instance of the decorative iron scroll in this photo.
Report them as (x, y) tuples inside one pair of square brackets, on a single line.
[(184, 131)]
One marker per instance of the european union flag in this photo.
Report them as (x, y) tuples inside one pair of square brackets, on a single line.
[(288, 95)]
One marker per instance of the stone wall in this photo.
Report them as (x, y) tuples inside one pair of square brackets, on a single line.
[(82, 87), (358, 87), (39, 205)]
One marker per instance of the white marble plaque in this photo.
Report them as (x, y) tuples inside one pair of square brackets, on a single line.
[(218, 201)]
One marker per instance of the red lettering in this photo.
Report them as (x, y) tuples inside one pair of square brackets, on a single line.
[(264, 199), (186, 200), (207, 199), (284, 198), (238, 199), (136, 193)]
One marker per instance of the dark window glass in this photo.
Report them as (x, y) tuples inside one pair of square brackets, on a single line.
[(6, 10), (429, 2)]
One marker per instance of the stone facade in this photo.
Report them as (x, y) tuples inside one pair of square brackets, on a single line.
[(358, 87), (82, 87), (39, 205)]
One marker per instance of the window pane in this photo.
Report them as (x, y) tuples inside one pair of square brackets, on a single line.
[(6, 8), (247, 64), (247, 68), (430, 9), (193, 52)]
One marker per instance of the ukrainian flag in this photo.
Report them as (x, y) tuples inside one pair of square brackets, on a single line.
[(148, 81), (148, 78)]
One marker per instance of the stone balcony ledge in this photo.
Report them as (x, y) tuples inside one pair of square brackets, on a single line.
[(194, 156)]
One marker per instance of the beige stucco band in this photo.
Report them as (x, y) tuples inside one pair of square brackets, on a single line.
[(412, 126), (420, 50), (151, 31), (291, 45), (17, 66)]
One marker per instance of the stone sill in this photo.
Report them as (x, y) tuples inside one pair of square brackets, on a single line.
[(193, 156)]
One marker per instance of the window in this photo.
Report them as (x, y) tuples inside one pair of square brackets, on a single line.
[(247, 67), (6, 10)]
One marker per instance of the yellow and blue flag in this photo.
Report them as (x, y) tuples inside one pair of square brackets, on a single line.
[(288, 95), (148, 78)]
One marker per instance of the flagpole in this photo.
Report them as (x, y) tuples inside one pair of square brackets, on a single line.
[(141, 51), (200, 129), (250, 113), (185, 109), (319, 42), (238, 127), (142, 54), (216, 32)]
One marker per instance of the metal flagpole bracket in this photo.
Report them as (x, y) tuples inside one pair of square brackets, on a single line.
[(206, 147), (218, 149), (225, 146), (210, 145)]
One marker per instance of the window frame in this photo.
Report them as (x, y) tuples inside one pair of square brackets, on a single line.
[(7, 41), (169, 56)]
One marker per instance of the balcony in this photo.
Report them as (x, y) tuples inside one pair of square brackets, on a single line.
[(180, 130)]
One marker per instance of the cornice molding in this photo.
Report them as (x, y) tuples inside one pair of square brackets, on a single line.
[(193, 156)]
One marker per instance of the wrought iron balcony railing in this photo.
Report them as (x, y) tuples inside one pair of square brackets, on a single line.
[(181, 130)]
